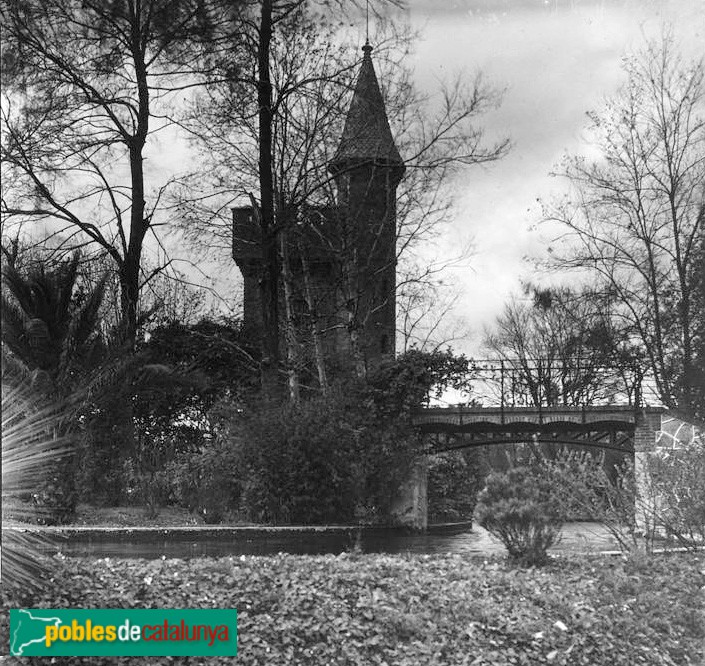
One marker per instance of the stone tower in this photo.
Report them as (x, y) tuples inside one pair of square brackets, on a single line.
[(367, 169), (352, 271)]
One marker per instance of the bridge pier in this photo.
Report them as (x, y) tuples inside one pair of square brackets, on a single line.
[(410, 507)]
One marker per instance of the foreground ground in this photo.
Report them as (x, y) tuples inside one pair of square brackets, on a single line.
[(412, 610)]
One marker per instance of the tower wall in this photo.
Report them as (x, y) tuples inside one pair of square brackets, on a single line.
[(367, 198)]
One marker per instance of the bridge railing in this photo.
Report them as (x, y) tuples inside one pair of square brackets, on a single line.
[(542, 382)]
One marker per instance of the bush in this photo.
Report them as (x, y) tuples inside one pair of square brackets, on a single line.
[(676, 485), (56, 497), (300, 465), (329, 459), (207, 482), (107, 441), (146, 487), (587, 488), (669, 501), (521, 510), (454, 480)]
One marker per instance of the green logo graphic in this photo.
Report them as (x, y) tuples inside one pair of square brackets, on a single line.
[(123, 632)]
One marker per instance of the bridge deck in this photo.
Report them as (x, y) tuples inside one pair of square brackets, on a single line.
[(620, 416)]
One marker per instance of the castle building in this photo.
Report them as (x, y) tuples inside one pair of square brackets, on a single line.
[(340, 264)]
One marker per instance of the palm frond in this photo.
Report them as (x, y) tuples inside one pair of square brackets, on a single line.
[(14, 332), (14, 370), (43, 327), (65, 278), (82, 340), (85, 322), (30, 448), (19, 287)]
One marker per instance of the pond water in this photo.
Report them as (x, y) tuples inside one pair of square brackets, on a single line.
[(577, 537)]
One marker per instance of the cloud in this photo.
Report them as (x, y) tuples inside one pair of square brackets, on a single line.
[(557, 60)]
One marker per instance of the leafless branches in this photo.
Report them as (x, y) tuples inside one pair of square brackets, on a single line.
[(87, 84), (635, 213)]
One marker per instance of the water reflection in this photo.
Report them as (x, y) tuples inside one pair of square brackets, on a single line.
[(299, 545), (577, 537)]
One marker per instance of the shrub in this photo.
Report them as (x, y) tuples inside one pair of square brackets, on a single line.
[(669, 501), (149, 487), (676, 485), (521, 510), (56, 497), (329, 459), (586, 487), (300, 464), (207, 482), (454, 480)]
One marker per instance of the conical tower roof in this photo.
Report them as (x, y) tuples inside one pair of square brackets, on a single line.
[(366, 136)]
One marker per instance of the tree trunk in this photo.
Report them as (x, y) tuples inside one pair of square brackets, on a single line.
[(315, 333), (129, 298), (354, 335), (270, 270), (130, 268), (291, 342)]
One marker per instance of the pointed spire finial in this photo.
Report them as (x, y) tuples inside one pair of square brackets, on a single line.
[(367, 22), (366, 136)]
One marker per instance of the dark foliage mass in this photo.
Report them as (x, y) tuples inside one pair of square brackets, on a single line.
[(410, 380), (175, 377), (405, 611), (454, 479), (334, 458), (341, 457), (216, 354), (328, 460)]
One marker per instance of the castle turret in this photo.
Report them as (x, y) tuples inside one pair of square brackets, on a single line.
[(367, 168), (367, 137), (343, 263)]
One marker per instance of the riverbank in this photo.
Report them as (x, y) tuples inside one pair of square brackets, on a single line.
[(223, 541), (410, 610)]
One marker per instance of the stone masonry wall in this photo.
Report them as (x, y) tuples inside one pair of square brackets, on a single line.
[(647, 425)]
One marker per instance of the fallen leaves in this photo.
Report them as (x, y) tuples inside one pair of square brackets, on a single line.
[(411, 610)]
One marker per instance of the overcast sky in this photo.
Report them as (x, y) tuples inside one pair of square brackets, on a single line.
[(557, 60)]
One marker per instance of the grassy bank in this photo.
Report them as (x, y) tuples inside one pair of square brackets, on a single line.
[(411, 610), (88, 515)]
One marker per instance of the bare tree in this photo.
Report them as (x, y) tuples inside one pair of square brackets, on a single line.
[(635, 211), (559, 347), (697, 380), (426, 318), (312, 77), (87, 86)]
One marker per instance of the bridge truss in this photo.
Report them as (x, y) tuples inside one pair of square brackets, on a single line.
[(605, 427)]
